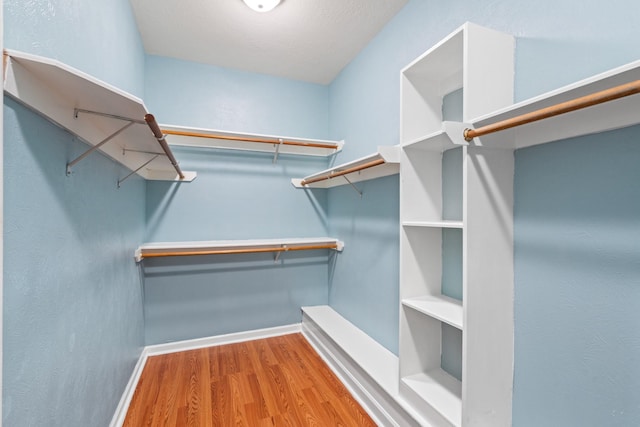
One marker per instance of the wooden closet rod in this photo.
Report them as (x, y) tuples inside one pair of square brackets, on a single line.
[(343, 172), (258, 140), (606, 95), (153, 125), (242, 251)]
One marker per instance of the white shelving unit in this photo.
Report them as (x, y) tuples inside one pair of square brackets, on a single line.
[(211, 138), (599, 118), (232, 246), (387, 157), (456, 194), (99, 114)]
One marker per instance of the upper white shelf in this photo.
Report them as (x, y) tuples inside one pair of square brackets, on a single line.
[(92, 110), (451, 136), (599, 118), (384, 162), (211, 138), (222, 247)]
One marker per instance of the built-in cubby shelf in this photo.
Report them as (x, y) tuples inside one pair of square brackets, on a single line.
[(231, 247), (437, 141), (104, 117), (598, 118), (440, 307), (211, 138), (384, 162), (448, 199), (441, 390)]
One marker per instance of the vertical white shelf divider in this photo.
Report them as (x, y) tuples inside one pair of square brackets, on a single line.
[(479, 62)]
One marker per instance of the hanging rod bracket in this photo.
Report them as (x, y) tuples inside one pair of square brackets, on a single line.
[(275, 155), (352, 185), (277, 256), (95, 147), (120, 181)]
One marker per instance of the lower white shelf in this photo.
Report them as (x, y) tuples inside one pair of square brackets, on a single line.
[(441, 307), (368, 369), (440, 391)]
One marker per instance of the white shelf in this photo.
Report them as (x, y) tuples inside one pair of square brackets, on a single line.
[(377, 361), (440, 141), (440, 391), (599, 118), (211, 138), (56, 90), (388, 155), (149, 249), (441, 307), (433, 224)]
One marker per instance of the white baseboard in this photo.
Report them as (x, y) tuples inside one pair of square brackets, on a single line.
[(194, 344), (174, 347), (125, 400)]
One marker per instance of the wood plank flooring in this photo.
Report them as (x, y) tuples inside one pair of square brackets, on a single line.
[(278, 381)]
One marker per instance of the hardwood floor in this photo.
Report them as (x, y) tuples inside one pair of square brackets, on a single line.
[(277, 381)]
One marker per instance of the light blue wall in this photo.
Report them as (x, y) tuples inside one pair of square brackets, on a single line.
[(73, 324), (190, 94), (557, 43), (361, 287), (72, 294), (237, 195), (99, 38), (577, 305)]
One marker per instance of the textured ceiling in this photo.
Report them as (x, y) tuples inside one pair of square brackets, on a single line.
[(310, 40)]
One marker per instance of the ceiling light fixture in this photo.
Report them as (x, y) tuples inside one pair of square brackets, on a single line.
[(262, 5)]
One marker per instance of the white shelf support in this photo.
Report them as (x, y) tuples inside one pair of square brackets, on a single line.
[(97, 146), (120, 181), (89, 109), (275, 155), (77, 111), (353, 186)]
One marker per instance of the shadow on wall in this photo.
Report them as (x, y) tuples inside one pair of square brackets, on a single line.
[(549, 64), (237, 195), (200, 296)]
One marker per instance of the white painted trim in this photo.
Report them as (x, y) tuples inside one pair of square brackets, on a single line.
[(129, 390), (174, 347), (1, 213)]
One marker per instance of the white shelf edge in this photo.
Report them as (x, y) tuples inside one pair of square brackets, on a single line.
[(433, 224), (435, 48), (54, 90), (603, 117), (376, 360), (450, 136), (439, 390), (203, 245), (210, 141), (391, 166), (440, 307)]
